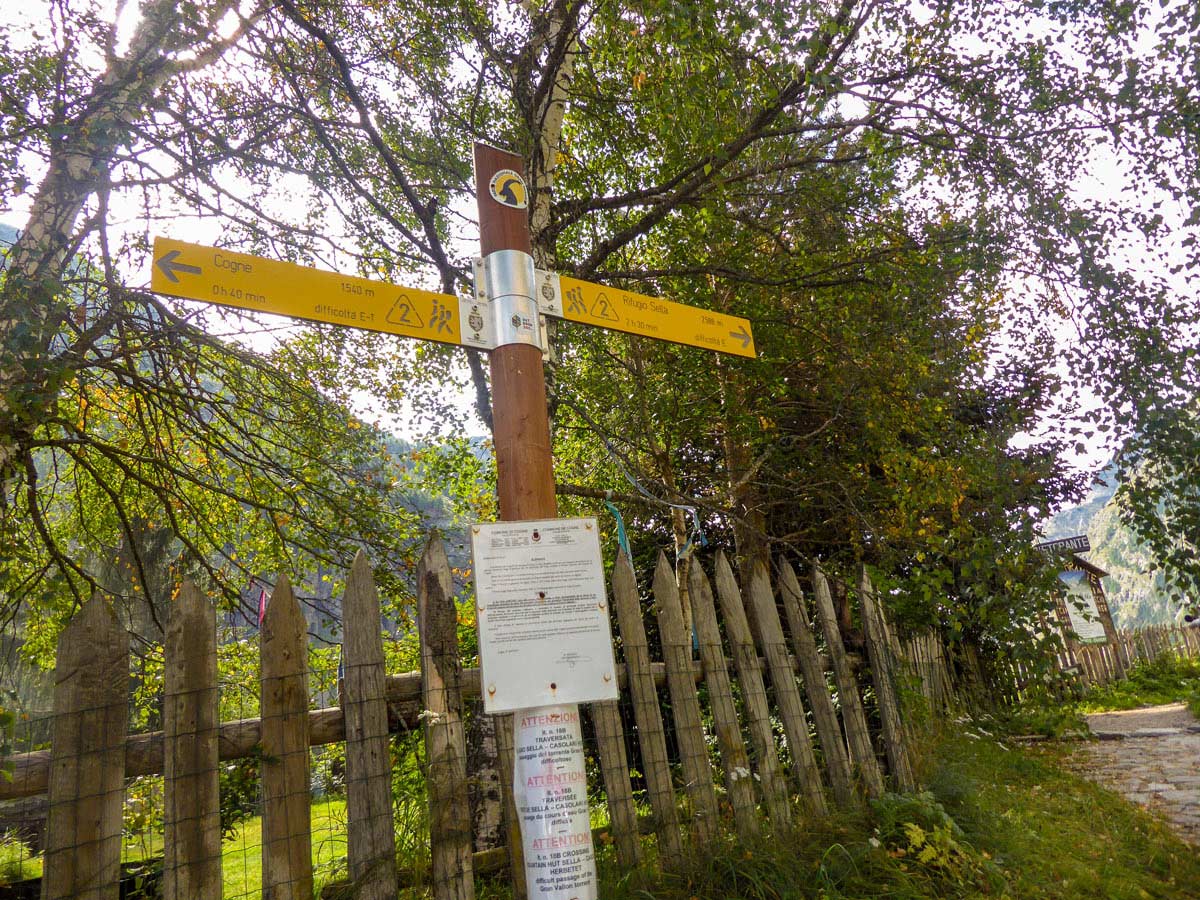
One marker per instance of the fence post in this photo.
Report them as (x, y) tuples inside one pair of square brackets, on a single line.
[(833, 744), (787, 693), (370, 836), (287, 817), (445, 739), (739, 780), (885, 685), (853, 717), (614, 766), (191, 785), (86, 787), (685, 705), (754, 694), (651, 736), (942, 670)]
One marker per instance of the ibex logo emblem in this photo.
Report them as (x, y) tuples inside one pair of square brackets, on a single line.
[(508, 189)]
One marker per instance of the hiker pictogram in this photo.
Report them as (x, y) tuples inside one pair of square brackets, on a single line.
[(439, 318), (575, 304)]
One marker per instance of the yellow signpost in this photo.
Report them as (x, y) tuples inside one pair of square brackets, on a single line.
[(196, 272), (212, 275), (653, 317)]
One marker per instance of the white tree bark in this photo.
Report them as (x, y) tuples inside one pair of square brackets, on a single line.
[(165, 43)]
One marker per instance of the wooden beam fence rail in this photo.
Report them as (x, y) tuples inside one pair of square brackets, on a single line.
[(242, 738)]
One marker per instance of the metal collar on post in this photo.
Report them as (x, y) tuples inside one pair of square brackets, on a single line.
[(507, 281)]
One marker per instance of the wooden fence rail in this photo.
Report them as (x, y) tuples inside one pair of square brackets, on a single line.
[(765, 652)]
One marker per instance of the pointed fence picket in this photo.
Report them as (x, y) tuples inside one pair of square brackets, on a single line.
[(685, 706), (87, 761), (829, 732), (445, 739), (769, 634), (883, 675), (370, 833), (652, 740), (512, 824), (191, 787), (287, 832), (739, 780), (740, 640), (854, 718), (614, 768), (754, 696)]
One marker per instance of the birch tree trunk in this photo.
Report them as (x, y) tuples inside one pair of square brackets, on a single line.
[(33, 304)]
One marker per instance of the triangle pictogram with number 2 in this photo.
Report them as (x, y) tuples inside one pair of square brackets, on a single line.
[(603, 309)]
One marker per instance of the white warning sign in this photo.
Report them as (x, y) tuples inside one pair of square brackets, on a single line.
[(550, 792), (542, 609)]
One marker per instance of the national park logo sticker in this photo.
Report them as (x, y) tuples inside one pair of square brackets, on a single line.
[(508, 189)]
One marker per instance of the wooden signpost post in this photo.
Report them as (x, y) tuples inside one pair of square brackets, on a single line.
[(504, 317)]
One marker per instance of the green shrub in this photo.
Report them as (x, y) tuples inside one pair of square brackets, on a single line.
[(1166, 679), (17, 861), (917, 829)]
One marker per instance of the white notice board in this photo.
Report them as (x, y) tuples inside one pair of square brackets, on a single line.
[(542, 610), (1081, 607)]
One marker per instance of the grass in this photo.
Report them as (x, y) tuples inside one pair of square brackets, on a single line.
[(995, 822), (241, 858), (241, 861), (1168, 679), (17, 862)]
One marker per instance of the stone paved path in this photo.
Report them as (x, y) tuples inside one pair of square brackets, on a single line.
[(1152, 756)]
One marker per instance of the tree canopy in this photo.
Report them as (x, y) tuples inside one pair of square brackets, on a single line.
[(916, 205)]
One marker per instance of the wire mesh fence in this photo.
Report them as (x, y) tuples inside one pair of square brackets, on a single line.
[(242, 762), (23, 820)]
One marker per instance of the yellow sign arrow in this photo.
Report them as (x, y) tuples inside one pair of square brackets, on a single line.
[(653, 317), (196, 272)]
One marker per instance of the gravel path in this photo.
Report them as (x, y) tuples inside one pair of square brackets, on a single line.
[(1152, 756)]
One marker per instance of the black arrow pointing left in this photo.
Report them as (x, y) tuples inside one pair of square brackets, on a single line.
[(169, 267)]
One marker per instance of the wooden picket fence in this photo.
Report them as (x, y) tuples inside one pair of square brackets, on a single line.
[(1091, 664), (853, 704), (1105, 663)]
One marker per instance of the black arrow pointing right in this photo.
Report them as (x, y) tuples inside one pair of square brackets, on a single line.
[(169, 267), (742, 335)]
